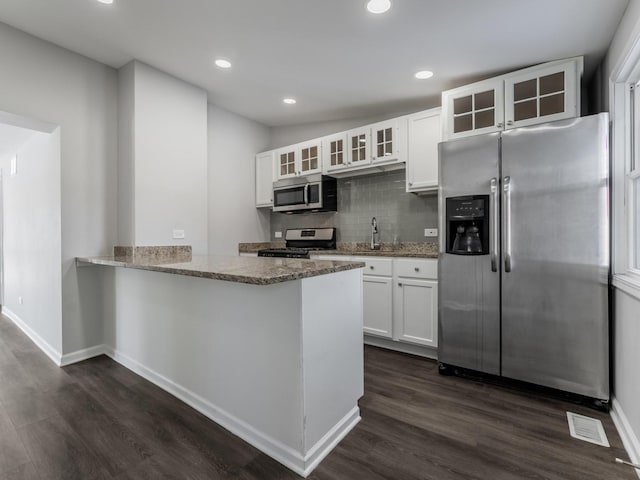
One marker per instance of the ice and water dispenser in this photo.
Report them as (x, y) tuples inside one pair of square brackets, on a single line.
[(467, 227)]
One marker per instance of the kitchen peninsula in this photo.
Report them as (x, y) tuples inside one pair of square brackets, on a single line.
[(271, 349)]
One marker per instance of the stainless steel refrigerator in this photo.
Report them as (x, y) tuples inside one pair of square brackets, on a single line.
[(524, 255)]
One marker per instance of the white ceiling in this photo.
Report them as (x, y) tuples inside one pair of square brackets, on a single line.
[(337, 59)]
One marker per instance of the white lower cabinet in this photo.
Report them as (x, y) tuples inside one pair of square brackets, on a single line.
[(416, 311), (378, 305), (400, 297)]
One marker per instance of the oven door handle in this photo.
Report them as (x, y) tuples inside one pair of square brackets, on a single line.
[(306, 194)]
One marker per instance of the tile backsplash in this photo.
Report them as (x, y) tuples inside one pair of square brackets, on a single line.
[(401, 216)]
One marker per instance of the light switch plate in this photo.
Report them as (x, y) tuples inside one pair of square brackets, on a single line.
[(278, 234), (430, 232), (14, 165), (178, 234)]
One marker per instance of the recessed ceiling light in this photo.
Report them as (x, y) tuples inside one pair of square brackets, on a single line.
[(222, 63), (423, 74), (378, 6), (289, 101), (106, 2)]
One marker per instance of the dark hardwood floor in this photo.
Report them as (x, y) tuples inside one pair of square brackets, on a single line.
[(98, 420)]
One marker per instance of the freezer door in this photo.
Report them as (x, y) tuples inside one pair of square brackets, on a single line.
[(468, 287), (555, 328)]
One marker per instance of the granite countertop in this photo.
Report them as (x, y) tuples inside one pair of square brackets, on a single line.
[(250, 270), (408, 249)]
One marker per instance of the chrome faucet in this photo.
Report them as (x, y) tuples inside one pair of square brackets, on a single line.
[(374, 231)]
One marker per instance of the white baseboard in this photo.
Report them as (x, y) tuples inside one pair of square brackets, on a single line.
[(629, 438), (327, 443), (419, 350), (289, 457), (40, 342), (80, 355)]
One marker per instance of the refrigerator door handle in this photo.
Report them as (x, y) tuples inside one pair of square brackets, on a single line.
[(494, 224), (506, 186)]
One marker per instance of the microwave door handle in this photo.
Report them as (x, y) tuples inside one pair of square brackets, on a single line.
[(507, 223), (306, 194), (494, 224)]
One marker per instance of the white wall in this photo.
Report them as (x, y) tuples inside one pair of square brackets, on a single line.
[(42, 81), (626, 322), (32, 242), (169, 159), (233, 217)]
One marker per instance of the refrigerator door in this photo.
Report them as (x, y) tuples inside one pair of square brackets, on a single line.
[(468, 287), (555, 238)]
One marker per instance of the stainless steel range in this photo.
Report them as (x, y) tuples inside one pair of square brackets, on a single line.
[(301, 241)]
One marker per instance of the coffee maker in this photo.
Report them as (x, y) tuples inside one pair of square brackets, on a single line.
[(467, 225)]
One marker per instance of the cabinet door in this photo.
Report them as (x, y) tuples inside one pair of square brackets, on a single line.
[(389, 140), (416, 311), (286, 163), (542, 95), (310, 154), (359, 147), (474, 109), (334, 152), (422, 155), (264, 179), (378, 310)]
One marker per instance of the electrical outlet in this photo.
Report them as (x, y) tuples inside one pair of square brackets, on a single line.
[(178, 234), (278, 234), (20, 300), (430, 232)]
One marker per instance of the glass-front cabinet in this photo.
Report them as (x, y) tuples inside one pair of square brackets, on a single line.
[(300, 159), (475, 109), (545, 95), (286, 162), (539, 94), (334, 149), (388, 141), (359, 146)]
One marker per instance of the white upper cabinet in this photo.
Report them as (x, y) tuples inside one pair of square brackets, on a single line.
[(300, 159), (422, 154), (389, 140), (310, 154), (543, 93), (264, 179), (286, 164), (359, 146), (334, 151), (474, 109)]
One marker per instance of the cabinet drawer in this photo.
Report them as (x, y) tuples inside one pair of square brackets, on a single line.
[(417, 268), (376, 266)]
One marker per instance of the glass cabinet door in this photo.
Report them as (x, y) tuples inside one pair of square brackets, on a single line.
[(358, 146), (475, 109), (334, 152), (286, 163), (546, 94), (310, 161), (388, 141)]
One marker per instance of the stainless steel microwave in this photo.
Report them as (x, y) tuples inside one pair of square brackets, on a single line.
[(313, 193)]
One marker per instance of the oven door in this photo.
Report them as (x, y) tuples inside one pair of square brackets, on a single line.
[(297, 197)]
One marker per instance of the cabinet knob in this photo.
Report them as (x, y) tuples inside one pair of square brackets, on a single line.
[(500, 125), (510, 122), (410, 184), (399, 284), (371, 267), (416, 269)]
